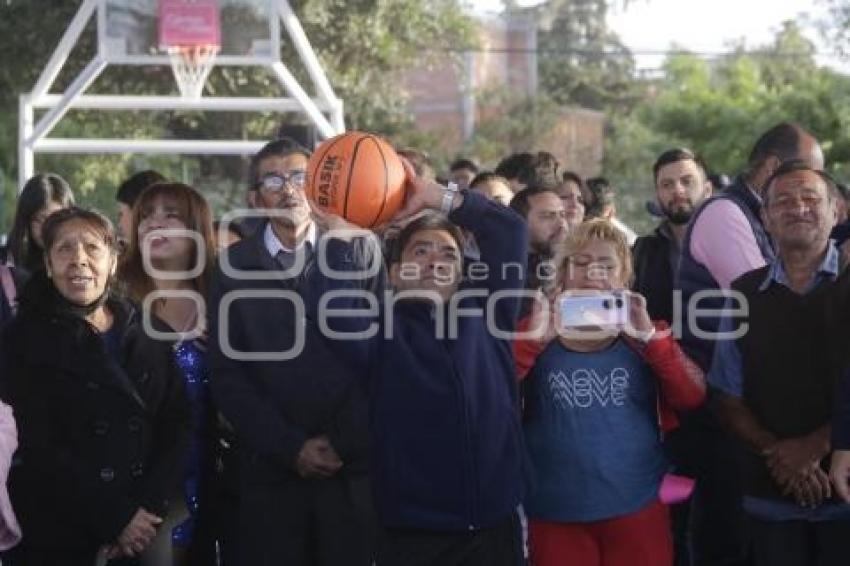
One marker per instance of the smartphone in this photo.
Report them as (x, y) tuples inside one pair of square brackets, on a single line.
[(593, 309)]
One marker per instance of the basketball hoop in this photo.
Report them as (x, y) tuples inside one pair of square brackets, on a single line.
[(190, 32), (191, 65)]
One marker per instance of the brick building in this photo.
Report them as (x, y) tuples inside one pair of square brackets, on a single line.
[(446, 98)]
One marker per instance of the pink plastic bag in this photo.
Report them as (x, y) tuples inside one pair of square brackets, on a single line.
[(675, 489)]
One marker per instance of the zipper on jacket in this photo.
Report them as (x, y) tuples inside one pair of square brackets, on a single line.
[(470, 464)]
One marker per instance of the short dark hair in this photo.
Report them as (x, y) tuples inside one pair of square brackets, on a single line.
[(129, 190), (511, 166), (97, 221), (572, 177), (676, 155), (794, 166), (781, 141), (521, 201), (539, 168), (428, 221), (486, 177), (463, 163), (281, 147)]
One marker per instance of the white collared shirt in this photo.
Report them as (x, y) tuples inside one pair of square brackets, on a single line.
[(274, 246)]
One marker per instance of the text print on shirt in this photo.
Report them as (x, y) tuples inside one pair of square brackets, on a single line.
[(584, 388)]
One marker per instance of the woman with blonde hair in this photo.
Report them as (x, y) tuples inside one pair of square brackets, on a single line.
[(594, 398)]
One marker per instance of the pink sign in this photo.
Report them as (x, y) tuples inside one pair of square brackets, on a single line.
[(189, 23)]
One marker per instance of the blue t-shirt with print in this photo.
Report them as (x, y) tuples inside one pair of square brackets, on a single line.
[(592, 434)]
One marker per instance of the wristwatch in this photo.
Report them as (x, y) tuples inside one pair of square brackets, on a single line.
[(448, 198)]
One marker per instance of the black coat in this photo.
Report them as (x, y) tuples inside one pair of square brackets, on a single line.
[(97, 440), (654, 274), (274, 406), (19, 277)]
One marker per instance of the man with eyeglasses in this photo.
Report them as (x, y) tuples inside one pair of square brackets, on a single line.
[(301, 425)]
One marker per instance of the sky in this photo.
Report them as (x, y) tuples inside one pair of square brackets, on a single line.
[(700, 25)]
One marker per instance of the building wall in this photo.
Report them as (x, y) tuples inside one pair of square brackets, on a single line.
[(442, 96)]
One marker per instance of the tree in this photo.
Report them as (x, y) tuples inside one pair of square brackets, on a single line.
[(581, 61), (363, 45), (717, 108)]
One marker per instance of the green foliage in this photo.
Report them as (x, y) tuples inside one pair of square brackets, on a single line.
[(582, 62), (718, 109)]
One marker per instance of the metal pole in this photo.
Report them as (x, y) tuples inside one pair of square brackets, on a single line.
[(26, 157), (80, 84), (290, 83), (215, 103), (338, 116), (66, 44), (302, 45), (184, 147)]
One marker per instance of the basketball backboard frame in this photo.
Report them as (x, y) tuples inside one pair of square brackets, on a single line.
[(324, 109), (112, 52)]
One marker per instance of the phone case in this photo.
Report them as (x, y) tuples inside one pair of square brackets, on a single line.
[(603, 310)]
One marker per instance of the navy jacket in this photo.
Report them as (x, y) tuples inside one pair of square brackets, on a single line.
[(446, 435), (276, 404), (654, 272)]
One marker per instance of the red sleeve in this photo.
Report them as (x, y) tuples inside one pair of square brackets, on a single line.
[(682, 381), (526, 351)]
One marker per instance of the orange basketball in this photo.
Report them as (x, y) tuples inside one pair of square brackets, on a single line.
[(357, 176)]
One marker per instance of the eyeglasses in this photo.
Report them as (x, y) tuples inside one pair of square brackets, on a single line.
[(275, 182)]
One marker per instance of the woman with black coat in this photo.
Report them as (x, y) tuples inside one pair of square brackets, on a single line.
[(101, 409)]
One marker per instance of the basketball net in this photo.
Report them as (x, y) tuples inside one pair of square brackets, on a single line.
[(191, 65)]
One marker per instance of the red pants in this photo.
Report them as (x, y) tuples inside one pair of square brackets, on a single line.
[(640, 539)]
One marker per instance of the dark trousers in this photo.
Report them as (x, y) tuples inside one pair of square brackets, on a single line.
[(23, 555), (801, 543), (497, 546), (297, 522), (712, 527)]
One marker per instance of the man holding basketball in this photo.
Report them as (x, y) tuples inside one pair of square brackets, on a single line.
[(298, 412), (445, 434)]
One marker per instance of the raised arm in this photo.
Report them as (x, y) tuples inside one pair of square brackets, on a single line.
[(501, 234)]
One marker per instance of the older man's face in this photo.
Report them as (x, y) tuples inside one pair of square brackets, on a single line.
[(799, 211)]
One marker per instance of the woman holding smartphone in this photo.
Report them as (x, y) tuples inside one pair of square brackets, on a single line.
[(596, 401)]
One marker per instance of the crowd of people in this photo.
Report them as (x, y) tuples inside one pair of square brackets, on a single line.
[(287, 389)]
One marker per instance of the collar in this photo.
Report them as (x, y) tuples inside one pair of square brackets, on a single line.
[(828, 270), (753, 192), (274, 246), (665, 231)]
